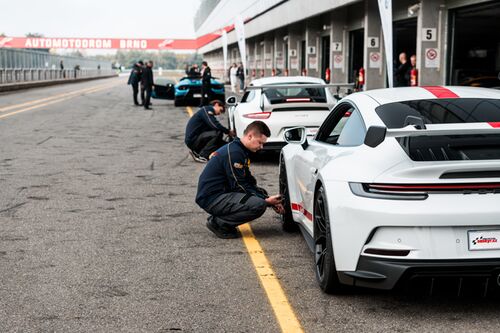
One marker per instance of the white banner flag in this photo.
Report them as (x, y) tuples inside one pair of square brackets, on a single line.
[(239, 27), (385, 8), (224, 51)]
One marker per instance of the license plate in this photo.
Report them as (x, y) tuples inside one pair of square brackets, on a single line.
[(484, 240), (197, 95), (312, 131)]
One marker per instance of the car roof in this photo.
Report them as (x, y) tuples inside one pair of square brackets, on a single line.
[(286, 79), (392, 95)]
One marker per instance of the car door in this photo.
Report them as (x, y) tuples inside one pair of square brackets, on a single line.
[(341, 132)]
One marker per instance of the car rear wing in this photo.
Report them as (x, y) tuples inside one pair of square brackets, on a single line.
[(349, 87), (377, 134)]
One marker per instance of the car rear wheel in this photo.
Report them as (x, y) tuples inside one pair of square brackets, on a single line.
[(178, 102), (326, 272), (288, 223)]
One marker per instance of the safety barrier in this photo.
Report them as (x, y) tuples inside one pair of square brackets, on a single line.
[(23, 75)]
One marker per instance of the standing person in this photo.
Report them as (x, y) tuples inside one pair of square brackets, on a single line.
[(228, 191), (147, 83), (241, 75), (134, 79), (401, 71), (61, 65), (234, 78), (204, 132), (206, 76), (413, 65)]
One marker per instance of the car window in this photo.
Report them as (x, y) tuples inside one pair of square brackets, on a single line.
[(344, 126), (353, 132), (248, 96)]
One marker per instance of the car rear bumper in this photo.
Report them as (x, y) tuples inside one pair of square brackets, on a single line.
[(372, 272)]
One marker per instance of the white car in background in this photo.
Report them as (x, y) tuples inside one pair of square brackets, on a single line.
[(282, 103), (400, 184)]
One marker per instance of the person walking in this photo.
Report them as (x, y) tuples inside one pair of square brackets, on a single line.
[(206, 77), (233, 78), (147, 83), (228, 191), (134, 79), (240, 73)]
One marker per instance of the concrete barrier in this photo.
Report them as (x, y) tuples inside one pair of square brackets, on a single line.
[(46, 83)]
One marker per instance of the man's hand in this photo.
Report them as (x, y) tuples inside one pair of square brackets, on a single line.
[(279, 209), (274, 200), (232, 133)]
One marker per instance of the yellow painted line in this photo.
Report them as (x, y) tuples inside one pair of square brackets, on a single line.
[(282, 309), (93, 90), (11, 107), (288, 321)]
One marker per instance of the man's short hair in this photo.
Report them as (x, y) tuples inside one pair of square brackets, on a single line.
[(217, 101), (258, 127), (204, 63)]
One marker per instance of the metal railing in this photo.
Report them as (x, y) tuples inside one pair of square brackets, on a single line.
[(22, 75)]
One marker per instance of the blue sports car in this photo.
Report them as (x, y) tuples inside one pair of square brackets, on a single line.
[(188, 91)]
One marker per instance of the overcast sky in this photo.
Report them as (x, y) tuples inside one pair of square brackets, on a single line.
[(99, 18)]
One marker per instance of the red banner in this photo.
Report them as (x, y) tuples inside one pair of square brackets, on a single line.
[(110, 43)]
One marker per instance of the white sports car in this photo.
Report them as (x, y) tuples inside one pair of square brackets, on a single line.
[(282, 103), (397, 185)]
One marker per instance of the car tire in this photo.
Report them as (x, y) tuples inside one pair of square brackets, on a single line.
[(324, 261), (178, 102), (288, 224)]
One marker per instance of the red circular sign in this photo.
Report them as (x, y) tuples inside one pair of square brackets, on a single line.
[(431, 54), (375, 56), (338, 59)]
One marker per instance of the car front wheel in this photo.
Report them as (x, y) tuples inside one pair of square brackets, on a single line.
[(326, 272), (289, 224)]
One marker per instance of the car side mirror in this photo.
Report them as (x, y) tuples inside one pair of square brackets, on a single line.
[(231, 101), (375, 135), (296, 135)]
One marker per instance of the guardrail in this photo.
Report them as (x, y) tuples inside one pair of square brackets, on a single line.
[(24, 75)]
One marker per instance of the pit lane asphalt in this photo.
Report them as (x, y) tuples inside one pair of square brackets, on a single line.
[(99, 233)]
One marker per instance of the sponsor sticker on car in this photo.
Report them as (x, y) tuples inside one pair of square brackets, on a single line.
[(484, 240)]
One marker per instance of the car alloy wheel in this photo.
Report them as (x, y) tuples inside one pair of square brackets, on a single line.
[(289, 224), (326, 272)]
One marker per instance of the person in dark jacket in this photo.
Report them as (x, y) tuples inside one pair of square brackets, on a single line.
[(228, 191), (147, 83), (240, 73), (134, 79), (400, 74), (204, 132), (206, 77)]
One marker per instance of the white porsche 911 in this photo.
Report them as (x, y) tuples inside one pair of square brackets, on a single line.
[(282, 103), (400, 184)]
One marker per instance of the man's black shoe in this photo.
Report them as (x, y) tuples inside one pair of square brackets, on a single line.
[(221, 232), (145, 108)]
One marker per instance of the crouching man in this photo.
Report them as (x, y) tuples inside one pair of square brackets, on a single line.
[(204, 131), (228, 191)]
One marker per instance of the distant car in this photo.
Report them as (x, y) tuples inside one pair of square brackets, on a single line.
[(400, 184), (282, 103), (164, 88), (188, 91)]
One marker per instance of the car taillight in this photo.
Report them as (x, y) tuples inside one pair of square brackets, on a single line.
[(297, 100), (258, 115), (183, 88), (419, 191)]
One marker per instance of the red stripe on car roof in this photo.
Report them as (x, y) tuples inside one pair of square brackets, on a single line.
[(441, 92)]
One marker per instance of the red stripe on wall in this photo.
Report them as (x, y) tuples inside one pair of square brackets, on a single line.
[(495, 124)]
